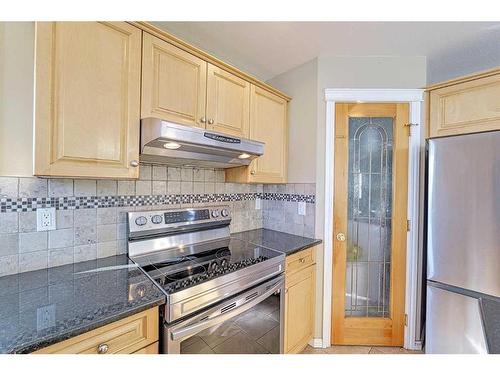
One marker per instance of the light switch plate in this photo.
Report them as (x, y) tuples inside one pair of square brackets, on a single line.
[(302, 208), (45, 219), (258, 203)]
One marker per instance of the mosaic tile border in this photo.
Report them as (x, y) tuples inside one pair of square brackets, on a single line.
[(74, 203)]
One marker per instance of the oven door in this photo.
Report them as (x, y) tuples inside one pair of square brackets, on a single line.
[(248, 323)]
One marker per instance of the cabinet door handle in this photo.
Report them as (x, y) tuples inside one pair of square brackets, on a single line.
[(210, 121), (134, 163), (252, 172), (102, 348), (203, 120)]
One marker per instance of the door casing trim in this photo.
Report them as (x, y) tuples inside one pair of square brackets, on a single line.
[(415, 98)]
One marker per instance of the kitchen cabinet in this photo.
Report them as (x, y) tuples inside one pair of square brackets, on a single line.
[(136, 334), (228, 103), (268, 124), (300, 286), (177, 86), (174, 83), (87, 99), (468, 106)]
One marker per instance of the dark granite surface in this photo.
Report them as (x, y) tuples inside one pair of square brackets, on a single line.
[(490, 310), (284, 242), (40, 308)]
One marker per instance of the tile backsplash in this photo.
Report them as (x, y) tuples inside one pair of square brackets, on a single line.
[(91, 214)]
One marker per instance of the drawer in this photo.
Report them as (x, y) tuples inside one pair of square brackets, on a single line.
[(150, 349), (124, 336), (300, 260)]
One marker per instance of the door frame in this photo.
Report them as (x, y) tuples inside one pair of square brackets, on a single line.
[(414, 97)]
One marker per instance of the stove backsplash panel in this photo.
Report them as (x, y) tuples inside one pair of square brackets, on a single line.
[(91, 214)]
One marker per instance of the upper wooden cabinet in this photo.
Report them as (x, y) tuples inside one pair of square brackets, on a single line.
[(174, 83), (466, 107), (87, 97), (228, 102), (268, 124)]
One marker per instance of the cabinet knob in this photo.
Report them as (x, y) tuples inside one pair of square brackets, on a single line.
[(134, 163), (211, 121), (252, 172), (102, 348), (340, 237), (203, 120), (302, 260)]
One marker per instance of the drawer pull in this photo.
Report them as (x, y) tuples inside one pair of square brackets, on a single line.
[(302, 260), (102, 348)]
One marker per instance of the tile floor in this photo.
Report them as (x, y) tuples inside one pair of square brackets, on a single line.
[(340, 349)]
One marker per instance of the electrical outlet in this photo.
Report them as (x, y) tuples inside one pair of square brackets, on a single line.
[(45, 317), (45, 219), (257, 203), (302, 208)]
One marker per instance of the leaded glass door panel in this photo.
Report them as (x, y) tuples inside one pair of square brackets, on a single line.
[(371, 156)]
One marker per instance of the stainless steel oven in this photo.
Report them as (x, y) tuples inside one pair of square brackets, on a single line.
[(248, 323), (223, 295)]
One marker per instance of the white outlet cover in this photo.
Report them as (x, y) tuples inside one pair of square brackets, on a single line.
[(258, 203), (302, 208), (45, 219), (45, 317)]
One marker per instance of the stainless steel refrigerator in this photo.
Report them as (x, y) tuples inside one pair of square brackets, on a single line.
[(463, 243)]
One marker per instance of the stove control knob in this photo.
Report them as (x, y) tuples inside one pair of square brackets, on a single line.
[(141, 220), (156, 219), (224, 212), (215, 213)]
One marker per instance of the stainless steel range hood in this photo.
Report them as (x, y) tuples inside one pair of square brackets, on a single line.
[(163, 142)]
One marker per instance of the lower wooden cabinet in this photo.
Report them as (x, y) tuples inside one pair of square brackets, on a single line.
[(300, 286), (135, 334)]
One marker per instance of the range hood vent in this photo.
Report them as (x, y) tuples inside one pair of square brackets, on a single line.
[(163, 142)]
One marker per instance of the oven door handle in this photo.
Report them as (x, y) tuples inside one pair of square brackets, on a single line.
[(181, 333)]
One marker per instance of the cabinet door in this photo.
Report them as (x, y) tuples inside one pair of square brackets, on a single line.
[(174, 83), (138, 332), (468, 107), (228, 102), (87, 99), (268, 123), (299, 309)]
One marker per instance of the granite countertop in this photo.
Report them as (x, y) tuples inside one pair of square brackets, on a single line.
[(490, 311), (40, 308), (280, 241)]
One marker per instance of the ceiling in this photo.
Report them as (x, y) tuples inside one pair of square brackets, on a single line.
[(266, 49)]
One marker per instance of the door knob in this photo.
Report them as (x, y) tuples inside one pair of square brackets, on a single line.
[(340, 237), (211, 121)]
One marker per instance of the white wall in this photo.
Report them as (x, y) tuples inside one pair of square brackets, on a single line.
[(17, 41), (469, 57), (300, 83)]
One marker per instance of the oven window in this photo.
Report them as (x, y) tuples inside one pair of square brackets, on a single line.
[(255, 331)]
